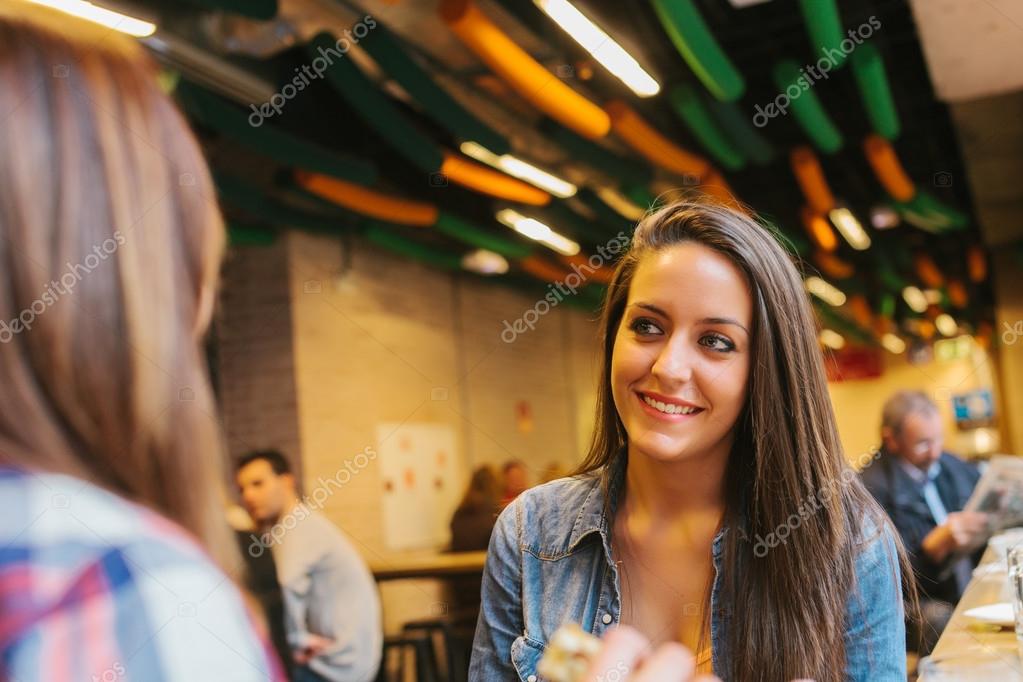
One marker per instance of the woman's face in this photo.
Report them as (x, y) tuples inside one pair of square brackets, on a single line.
[(681, 356)]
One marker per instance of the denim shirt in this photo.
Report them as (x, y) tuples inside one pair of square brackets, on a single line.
[(550, 562)]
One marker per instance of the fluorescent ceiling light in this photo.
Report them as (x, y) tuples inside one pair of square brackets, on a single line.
[(824, 291), (946, 325), (850, 228), (601, 46), (100, 15), (517, 168), (893, 344), (915, 299), (620, 203), (832, 339), (485, 262), (534, 229)]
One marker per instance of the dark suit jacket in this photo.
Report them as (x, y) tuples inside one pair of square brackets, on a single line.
[(903, 500)]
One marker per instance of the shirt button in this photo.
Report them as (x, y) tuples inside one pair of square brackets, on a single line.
[(607, 618), (531, 678)]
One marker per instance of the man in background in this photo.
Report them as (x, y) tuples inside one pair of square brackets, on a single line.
[(332, 610), (923, 490)]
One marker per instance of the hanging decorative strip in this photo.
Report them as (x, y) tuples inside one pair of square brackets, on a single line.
[(386, 238), (457, 228), (651, 145), (256, 203), (887, 168), (600, 274), (376, 111), (811, 180), (688, 104), (593, 154), (824, 27), (805, 106), (261, 10), (736, 124), (216, 113), (543, 269), (485, 180), (368, 202), (819, 229), (239, 234), (833, 266), (868, 68), (692, 38), (441, 107), (525, 75)]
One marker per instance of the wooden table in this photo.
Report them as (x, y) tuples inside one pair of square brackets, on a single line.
[(964, 636), (429, 566)]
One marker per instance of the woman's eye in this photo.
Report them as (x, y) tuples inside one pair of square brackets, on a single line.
[(644, 327), (717, 342)]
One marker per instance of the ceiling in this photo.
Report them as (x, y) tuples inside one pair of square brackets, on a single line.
[(253, 58)]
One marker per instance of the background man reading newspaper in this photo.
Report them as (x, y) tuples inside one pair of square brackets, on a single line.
[(924, 491)]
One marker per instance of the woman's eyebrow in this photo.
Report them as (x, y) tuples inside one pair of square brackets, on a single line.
[(707, 320)]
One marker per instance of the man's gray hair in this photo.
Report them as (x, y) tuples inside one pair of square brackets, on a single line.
[(903, 404)]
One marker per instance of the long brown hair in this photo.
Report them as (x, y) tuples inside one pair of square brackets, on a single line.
[(788, 605), (110, 244)]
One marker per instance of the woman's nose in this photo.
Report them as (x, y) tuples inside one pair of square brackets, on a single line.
[(674, 364)]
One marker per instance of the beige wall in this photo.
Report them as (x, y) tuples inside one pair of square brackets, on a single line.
[(378, 339)]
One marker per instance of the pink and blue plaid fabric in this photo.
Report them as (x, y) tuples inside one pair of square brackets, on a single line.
[(95, 588)]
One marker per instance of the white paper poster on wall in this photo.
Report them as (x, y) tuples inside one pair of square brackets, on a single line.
[(421, 484)]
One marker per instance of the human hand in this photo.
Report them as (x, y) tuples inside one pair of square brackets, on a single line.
[(966, 529), (626, 656), (314, 646)]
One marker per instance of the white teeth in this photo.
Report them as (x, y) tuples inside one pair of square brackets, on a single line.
[(668, 408)]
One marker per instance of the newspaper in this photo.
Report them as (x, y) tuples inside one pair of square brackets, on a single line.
[(999, 493)]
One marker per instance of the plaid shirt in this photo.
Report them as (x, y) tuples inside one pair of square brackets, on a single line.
[(95, 588)]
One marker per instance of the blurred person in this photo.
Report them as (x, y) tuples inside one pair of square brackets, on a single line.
[(627, 656), (715, 507), (332, 609), (923, 489), (474, 518), (515, 480), (117, 561), (553, 472), (471, 526)]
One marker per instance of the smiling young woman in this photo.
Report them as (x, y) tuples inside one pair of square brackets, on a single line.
[(713, 431)]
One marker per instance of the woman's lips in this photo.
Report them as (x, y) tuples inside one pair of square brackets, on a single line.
[(665, 416)]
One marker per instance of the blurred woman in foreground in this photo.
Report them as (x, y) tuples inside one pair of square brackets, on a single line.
[(110, 244)]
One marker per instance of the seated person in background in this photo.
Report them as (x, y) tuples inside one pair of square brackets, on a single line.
[(515, 480), (923, 490), (332, 610), (115, 561), (471, 526)]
